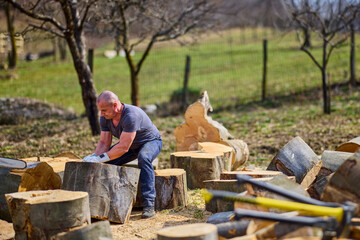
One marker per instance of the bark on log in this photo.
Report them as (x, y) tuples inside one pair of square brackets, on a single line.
[(352, 146), (96, 231), (199, 166), (43, 214), (343, 185), (199, 127), (316, 188), (171, 188), (232, 229), (296, 158), (221, 217), (197, 231), (331, 161), (112, 189)]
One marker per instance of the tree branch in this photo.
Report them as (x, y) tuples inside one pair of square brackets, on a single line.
[(311, 56)]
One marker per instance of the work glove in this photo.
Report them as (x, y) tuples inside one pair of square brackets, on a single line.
[(90, 158)]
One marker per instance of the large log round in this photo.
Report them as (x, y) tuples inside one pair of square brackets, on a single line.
[(112, 189), (198, 231), (352, 146), (43, 214)]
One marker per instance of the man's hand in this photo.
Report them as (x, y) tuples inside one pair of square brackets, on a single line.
[(90, 158)]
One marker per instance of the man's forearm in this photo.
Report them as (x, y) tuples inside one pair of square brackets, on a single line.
[(101, 148)]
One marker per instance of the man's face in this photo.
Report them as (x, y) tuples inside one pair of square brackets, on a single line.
[(107, 109)]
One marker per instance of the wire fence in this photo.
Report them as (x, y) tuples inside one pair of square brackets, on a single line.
[(230, 67)]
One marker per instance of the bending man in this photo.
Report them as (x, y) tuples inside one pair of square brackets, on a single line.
[(138, 138)]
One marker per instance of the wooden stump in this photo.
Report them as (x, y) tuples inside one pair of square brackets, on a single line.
[(95, 231), (352, 146), (199, 127), (112, 189), (199, 166), (296, 158), (41, 177), (197, 231), (42, 214), (171, 188), (343, 185)]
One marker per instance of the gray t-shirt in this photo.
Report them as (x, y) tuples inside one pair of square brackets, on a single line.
[(132, 119)]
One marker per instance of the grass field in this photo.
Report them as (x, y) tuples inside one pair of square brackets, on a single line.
[(228, 65)]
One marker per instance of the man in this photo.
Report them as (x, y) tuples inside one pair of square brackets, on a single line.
[(138, 138)]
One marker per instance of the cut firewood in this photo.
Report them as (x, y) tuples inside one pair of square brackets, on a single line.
[(316, 188), (203, 231), (199, 166), (296, 158), (96, 231), (112, 189), (253, 173), (199, 127), (352, 146), (221, 217), (43, 214), (232, 229), (343, 185), (310, 176), (331, 161), (171, 188)]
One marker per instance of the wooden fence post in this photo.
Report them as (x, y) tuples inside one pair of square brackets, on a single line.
[(186, 80), (91, 59), (263, 96)]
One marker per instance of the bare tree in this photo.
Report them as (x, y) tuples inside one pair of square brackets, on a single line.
[(66, 19), (12, 55), (330, 20), (146, 22)]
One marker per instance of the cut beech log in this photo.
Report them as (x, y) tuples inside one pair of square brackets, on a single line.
[(199, 127), (96, 231), (41, 177), (352, 146), (343, 185), (43, 214), (331, 161), (221, 217), (199, 166), (310, 176), (171, 188), (296, 158), (316, 188), (112, 189), (232, 229), (218, 148), (253, 173), (201, 231)]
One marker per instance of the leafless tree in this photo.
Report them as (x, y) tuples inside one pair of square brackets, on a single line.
[(10, 14), (330, 19), (66, 19), (146, 22)]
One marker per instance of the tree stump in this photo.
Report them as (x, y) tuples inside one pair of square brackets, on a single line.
[(343, 185), (171, 188), (197, 231), (199, 166), (42, 214), (352, 146), (199, 127), (96, 231), (296, 158), (112, 189), (41, 177)]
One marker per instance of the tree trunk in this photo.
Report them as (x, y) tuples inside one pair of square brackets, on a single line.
[(307, 38), (112, 189), (43, 214), (135, 89), (325, 87), (201, 231), (62, 49), (89, 96), (352, 56), (10, 26)]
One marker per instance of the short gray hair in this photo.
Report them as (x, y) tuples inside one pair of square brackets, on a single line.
[(108, 97)]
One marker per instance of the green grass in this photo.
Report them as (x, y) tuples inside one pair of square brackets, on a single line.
[(228, 66)]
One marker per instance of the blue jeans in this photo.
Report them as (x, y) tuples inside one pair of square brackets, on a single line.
[(145, 155)]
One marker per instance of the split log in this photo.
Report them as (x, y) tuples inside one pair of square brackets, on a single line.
[(203, 231), (96, 231), (343, 185), (199, 166), (352, 146), (171, 188), (112, 189), (331, 161), (43, 214), (199, 127), (253, 173), (296, 158), (311, 175), (221, 217), (7, 231), (232, 229), (41, 177), (316, 188)]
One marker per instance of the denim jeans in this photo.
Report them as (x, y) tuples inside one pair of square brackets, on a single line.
[(145, 155)]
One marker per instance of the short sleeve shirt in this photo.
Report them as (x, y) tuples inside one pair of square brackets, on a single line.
[(133, 119)]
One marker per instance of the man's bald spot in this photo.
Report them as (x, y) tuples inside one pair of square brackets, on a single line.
[(108, 97)]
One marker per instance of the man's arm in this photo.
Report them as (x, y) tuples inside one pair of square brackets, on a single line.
[(104, 142), (125, 141)]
